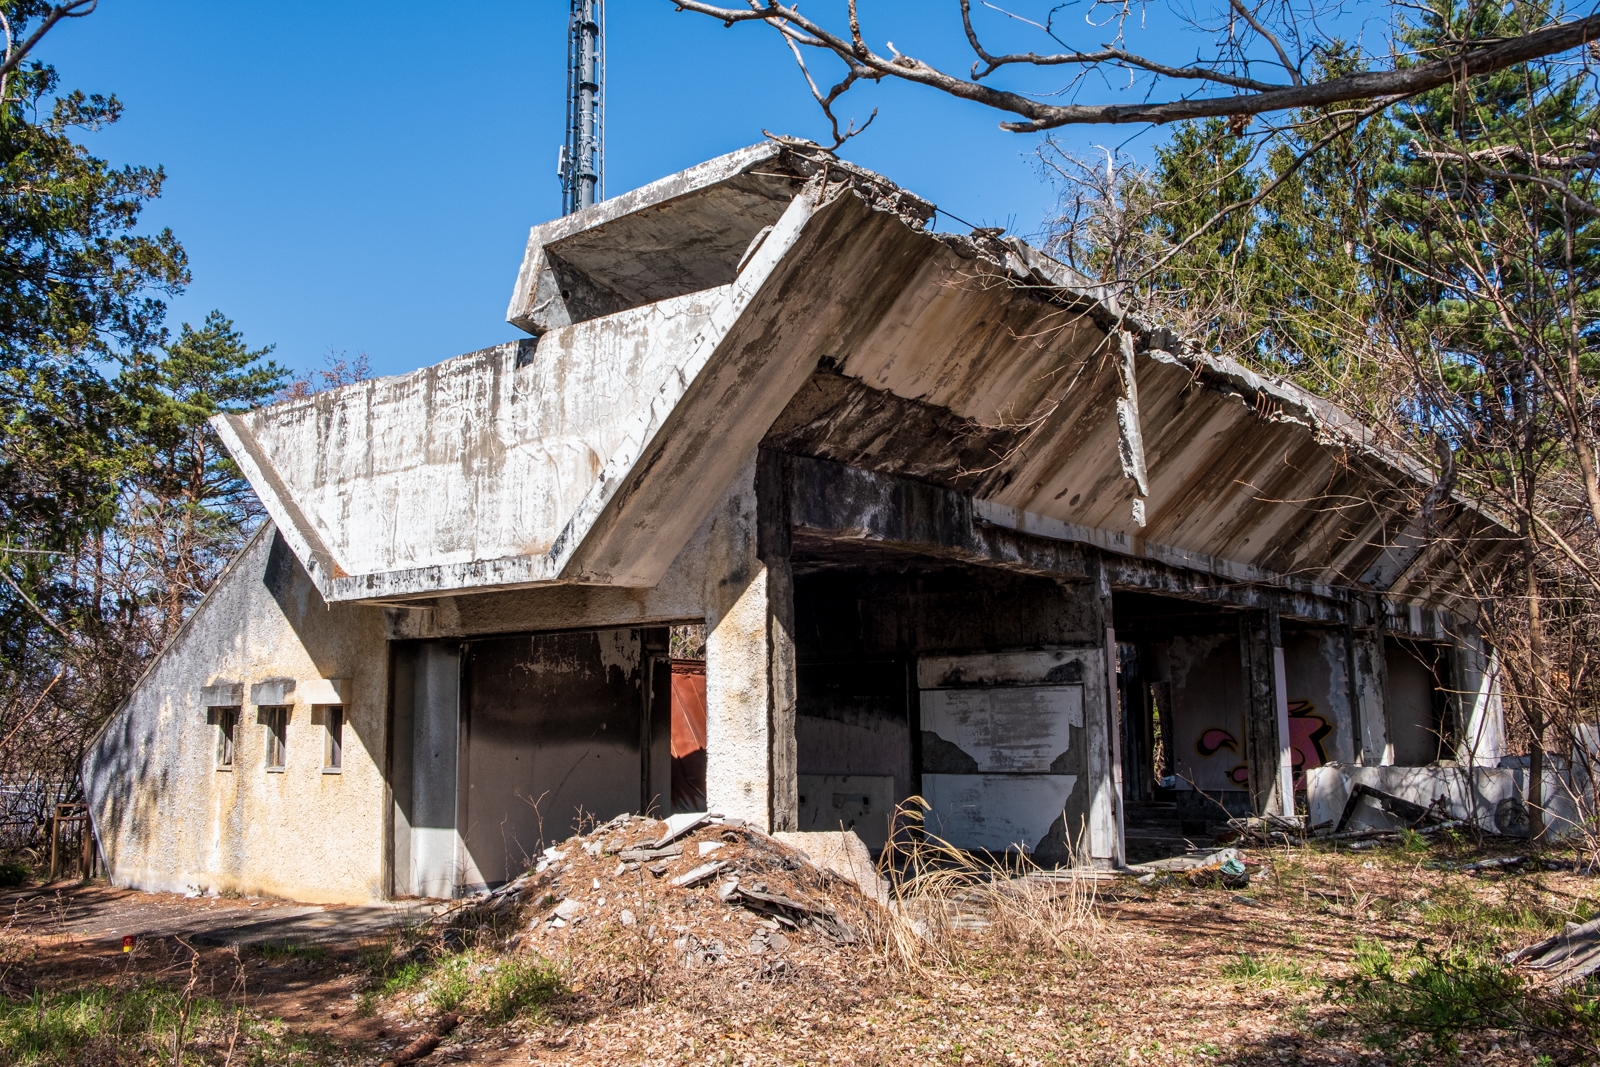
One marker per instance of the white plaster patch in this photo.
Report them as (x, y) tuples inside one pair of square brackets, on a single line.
[(995, 812), (1016, 730)]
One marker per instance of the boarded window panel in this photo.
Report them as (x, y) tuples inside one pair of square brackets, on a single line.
[(1020, 730), (859, 802), (227, 720), (333, 748), (276, 721)]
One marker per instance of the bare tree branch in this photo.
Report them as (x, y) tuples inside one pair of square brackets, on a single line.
[(1266, 35), (15, 55), (1474, 57)]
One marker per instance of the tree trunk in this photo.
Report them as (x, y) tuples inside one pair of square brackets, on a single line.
[(1532, 698)]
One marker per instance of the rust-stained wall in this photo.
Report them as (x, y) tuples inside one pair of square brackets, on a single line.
[(167, 819)]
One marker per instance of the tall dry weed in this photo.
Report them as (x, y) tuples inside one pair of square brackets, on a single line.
[(946, 904)]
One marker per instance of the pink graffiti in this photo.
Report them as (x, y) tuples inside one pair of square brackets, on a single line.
[(1213, 741)]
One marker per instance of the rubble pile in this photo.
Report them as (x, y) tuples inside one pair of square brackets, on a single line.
[(705, 891)]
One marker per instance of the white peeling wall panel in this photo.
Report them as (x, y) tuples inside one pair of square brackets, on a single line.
[(860, 802), (1014, 731), (996, 813)]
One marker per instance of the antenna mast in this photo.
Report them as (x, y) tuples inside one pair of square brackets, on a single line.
[(582, 167)]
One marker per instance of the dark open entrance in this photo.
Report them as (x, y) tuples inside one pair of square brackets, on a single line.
[(1186, 723), (504, 745), (963, 685), (1422, 725)]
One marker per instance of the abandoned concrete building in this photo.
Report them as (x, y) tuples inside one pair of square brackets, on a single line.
[(791, 508)]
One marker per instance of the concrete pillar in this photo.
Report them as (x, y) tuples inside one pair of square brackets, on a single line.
[(1103, 734), (1369, 684), (750, 655), (1481, 716), (1267, 752)]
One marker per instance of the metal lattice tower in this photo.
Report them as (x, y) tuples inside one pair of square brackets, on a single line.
[(582, 166)]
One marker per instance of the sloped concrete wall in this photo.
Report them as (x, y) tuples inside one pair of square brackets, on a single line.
[(168, 819)]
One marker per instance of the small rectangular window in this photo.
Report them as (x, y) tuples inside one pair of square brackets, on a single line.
[(227, 720), (276, 721), (333, 750)]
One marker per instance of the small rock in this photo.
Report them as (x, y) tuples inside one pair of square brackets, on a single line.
[(626, 917)]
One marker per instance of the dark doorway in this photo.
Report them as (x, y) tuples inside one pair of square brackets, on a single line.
[(557, 732)]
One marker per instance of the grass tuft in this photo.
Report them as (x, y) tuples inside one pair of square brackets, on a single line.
[(64, 1027), (1264, 970)]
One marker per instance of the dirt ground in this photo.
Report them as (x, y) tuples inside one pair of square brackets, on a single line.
[(1166, 973)]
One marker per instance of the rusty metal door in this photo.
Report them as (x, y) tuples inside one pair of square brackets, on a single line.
[(552, 740)]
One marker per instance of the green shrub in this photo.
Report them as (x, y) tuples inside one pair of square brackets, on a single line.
[(292, 950), (1437, 994), (494, 988), (14, 872), (516, 984)]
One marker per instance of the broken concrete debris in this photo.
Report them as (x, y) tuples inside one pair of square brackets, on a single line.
[(1411, 815), (703, 873), (576, 892)]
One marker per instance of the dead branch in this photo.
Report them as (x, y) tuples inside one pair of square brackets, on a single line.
[(15, 54), (1474, 57)]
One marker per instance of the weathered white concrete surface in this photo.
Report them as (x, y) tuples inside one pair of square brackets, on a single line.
[(677, 323), (750, 695), (483, 457), (1488, 796), (845, 854), (168, 819)]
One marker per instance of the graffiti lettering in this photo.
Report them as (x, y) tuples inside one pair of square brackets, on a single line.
[(1308, 731), (1213, 741)]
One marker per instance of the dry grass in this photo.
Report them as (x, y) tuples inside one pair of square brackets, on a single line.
[(1306, 966), (941, 894)]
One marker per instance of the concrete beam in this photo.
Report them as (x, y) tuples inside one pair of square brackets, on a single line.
[(843, 504)]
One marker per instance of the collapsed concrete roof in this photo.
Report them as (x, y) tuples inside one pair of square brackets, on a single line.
[(778, 295)]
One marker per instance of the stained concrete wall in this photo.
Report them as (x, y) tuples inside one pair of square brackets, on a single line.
[(168, 819)]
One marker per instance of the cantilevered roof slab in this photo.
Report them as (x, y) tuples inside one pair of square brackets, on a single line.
[(780, 296)]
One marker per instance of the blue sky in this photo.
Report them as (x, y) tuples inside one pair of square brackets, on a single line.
[(353, 176)]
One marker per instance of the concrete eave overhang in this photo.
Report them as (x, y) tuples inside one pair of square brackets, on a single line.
[(708, 310)]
